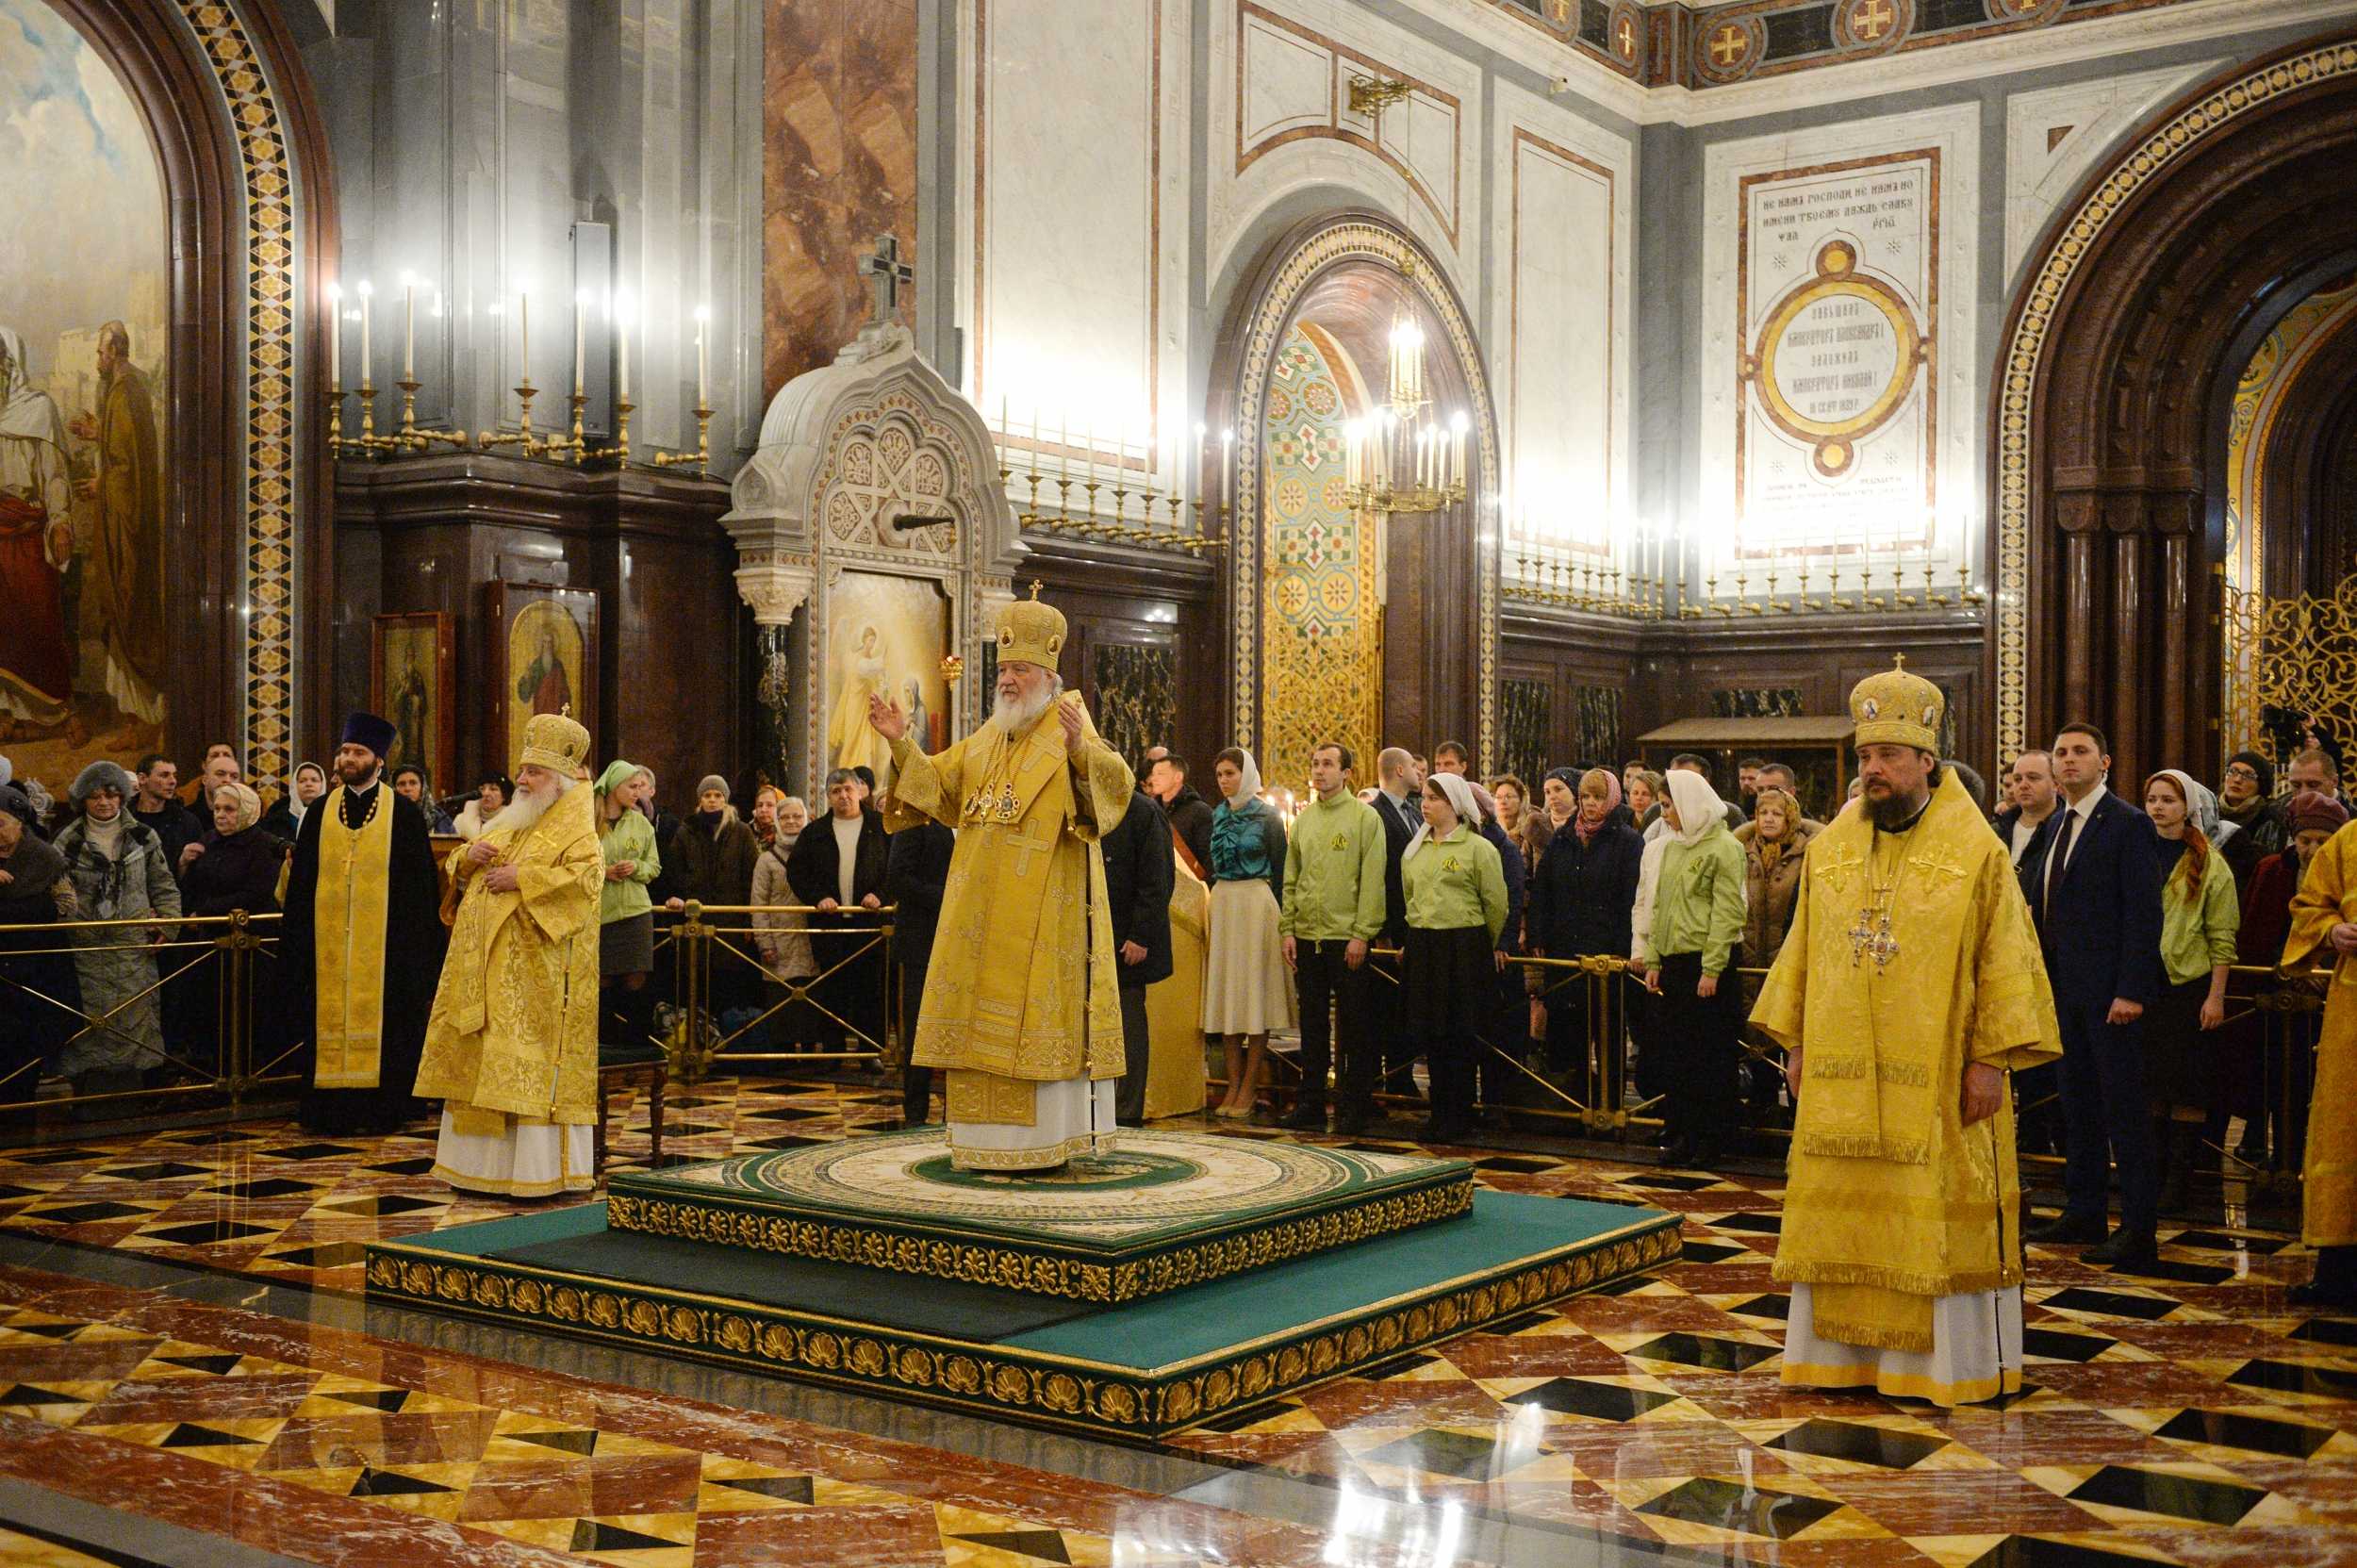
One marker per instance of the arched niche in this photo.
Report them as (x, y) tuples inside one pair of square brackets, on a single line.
[(247, 548), (1346, 277), (2122, 346)]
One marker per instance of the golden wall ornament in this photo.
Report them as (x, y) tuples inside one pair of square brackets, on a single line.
[(2304, 654), (1348, 239)]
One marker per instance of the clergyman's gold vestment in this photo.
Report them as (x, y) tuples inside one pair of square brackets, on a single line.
[(1022, 990), (1890, 1201), (514, 1033), (2328, 896)]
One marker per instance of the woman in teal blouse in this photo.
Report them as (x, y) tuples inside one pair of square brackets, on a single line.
[(1247, 990)]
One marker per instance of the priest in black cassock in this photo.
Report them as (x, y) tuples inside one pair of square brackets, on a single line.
[(363, 940)]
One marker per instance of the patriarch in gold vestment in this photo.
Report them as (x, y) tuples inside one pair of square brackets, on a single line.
[(511, 1049), (1910, 983), (1022, 1002), (2323, 935)]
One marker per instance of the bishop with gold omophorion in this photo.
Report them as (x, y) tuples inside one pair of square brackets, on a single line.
[(1022, 1002), (512, 1046), (1910, 983)]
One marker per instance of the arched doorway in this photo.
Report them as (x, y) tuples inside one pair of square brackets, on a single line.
[(2114, 392), (1343, 624)]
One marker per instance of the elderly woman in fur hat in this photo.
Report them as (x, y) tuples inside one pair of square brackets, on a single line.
[(119, 872)]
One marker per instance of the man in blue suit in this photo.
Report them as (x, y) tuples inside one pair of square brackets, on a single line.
[(2093, 877)]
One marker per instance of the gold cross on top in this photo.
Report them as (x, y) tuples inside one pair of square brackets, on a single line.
[(1035, 587)]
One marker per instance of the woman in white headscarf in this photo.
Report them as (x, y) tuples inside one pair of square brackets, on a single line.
[(1692, 945), (1247, 989), (2201, 920), (1454, 882)]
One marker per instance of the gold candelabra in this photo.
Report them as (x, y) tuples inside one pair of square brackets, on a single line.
[(702, 457), (522, 438), (369, 443), (1595, 590), (1879, 590), (1172, 533)]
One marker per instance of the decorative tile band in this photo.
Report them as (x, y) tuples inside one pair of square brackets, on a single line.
[(1027, 1386), (269, 369), (1041, 1270)]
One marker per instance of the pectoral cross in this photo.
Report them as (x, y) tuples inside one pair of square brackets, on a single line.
[(885, 271), (1872, 938)]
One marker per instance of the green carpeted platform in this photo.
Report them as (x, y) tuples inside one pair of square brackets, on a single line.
[(1137, 1369), (1159, 1211)]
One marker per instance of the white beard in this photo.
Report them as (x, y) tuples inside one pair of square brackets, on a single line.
[(524, 812), (1016, 714)]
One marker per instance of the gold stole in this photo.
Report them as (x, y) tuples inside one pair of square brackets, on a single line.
[(348, 914)]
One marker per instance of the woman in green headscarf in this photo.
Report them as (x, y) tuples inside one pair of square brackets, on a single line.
[(625, 915)]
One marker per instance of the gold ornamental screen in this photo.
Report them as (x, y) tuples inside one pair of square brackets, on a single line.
[(2299, 654)]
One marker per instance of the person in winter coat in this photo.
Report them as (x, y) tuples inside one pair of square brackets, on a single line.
[(1580, 906), (119, 872), (1774, 852), (1140, 869)]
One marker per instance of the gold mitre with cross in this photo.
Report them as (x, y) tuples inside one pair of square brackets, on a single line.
[(1031, 632), (554, 741), (1894, 708)]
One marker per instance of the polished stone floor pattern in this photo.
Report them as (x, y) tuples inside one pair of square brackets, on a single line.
[(180, 1342)]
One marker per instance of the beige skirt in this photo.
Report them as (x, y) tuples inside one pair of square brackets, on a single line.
[(1246, 987)]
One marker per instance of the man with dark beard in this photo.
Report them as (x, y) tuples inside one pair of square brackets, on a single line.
[(361, 947), (1907, 987), (1022, 1000)]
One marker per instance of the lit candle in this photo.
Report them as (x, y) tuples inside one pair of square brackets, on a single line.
[(334, 338), (1063, 447), (1227, 470), (523, 332), (621, 348), (704, 314), (1199, 433), (365, 291), (580, 317), (1034, 467), (408, 328)]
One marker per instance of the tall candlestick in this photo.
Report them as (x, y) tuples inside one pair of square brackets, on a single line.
[(703, 315), (335, 336), (365, 291), (621, 350), (408, 328)]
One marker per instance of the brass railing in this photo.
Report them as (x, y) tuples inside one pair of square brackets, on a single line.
[(702, 944), (2265, 1051), (195, 1023)]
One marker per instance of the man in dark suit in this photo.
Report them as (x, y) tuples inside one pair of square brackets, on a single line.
[(838, 866), (914, 877), (2095, 867), (1139, 867), (1399, 807)]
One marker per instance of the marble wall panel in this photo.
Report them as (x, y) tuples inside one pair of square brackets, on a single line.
[(838, 168), (1526, 727), (1562, 237), (2055, 135), (1137, 697)]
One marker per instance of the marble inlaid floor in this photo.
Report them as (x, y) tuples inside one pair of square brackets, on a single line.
[(181, 1342)]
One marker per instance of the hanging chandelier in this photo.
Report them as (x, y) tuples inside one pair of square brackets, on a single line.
[(1405, 458)]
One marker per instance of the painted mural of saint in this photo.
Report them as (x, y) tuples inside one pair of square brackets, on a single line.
[(850, 743), (913, 701), (544, 684), (36, 542), (126, 566)]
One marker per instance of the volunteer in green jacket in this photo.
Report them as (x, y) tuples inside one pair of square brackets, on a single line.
[(1334, 906), (1454, 886), (625, 915), (1691, 956), (2200, 922)]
